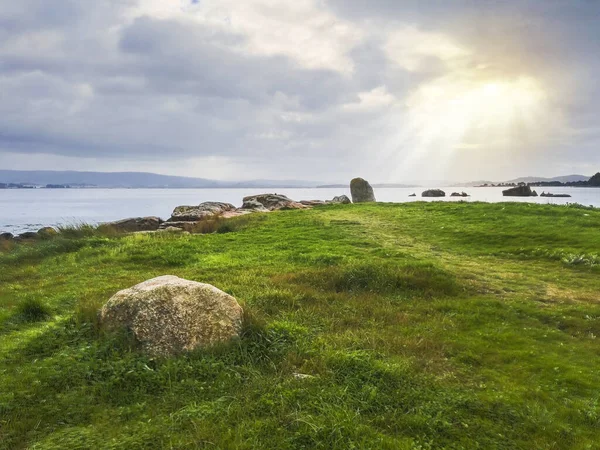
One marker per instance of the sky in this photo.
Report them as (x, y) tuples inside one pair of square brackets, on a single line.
[(390, 90)]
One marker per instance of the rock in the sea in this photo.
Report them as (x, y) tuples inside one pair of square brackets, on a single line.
[(343, 199), (519, 191), (270, 202), (413, 195), (548, 194), (459, 194), (6, 236), (169, 315), (433, 193), (47, 232), (197, 213), (361, 191), (134, 224)]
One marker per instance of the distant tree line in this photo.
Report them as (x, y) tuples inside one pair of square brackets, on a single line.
[(592, 182), (31, 186)]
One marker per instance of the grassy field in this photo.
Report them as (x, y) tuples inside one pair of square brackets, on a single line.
[(420, 326)]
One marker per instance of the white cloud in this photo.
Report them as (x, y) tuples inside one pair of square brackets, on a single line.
[(412, 49), (303, 30)]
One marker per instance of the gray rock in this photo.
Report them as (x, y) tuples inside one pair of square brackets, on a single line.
[(200, 212), (182, 226), (343, 199), (412, 195), (6, 236), (361, 191), (433, 193), (253, 205), (548, 194), (271, 202), (519, 191), (134, 224), (169, 315), (313, 202), (47, 232), (28, 235), (459, 194)]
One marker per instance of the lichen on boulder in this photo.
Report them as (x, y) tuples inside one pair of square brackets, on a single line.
[(169, 315)]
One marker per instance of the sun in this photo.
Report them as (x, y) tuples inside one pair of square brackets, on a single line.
[(453, 113)]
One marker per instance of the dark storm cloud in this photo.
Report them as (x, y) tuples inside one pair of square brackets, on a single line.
[(94, 79)]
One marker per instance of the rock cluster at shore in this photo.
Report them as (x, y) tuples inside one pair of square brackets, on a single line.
[(187, 218)]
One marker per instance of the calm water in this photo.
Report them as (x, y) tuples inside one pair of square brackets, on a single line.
[(30, 209)]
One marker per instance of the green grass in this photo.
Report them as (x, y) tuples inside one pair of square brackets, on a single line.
[(421, 325)]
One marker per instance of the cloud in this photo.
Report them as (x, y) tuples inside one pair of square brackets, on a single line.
[(304, 89)]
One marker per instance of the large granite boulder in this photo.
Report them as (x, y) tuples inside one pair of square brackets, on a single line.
[(433, 193), (6, 237), (519, 191), (361, 191), (169, 315), (270, 202), (200, 212), (134, 224)]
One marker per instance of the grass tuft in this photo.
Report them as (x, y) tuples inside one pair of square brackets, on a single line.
[(417, 278), (33, 309)]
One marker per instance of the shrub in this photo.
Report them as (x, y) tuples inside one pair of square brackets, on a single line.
[(416, 277)]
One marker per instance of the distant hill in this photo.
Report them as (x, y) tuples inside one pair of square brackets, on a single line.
[(135, 180), (375, 185)]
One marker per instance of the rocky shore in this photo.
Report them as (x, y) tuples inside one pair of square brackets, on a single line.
[(187, 218)]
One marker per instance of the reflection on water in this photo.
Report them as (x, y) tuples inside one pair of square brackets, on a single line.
[(30, 209)]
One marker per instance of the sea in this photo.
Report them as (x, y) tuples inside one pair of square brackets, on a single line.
[(30, 209)]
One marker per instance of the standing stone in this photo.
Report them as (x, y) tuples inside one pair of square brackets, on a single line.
[(361, 191), (168, 315)]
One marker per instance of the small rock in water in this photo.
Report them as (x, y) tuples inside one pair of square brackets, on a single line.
[(433, 193)]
